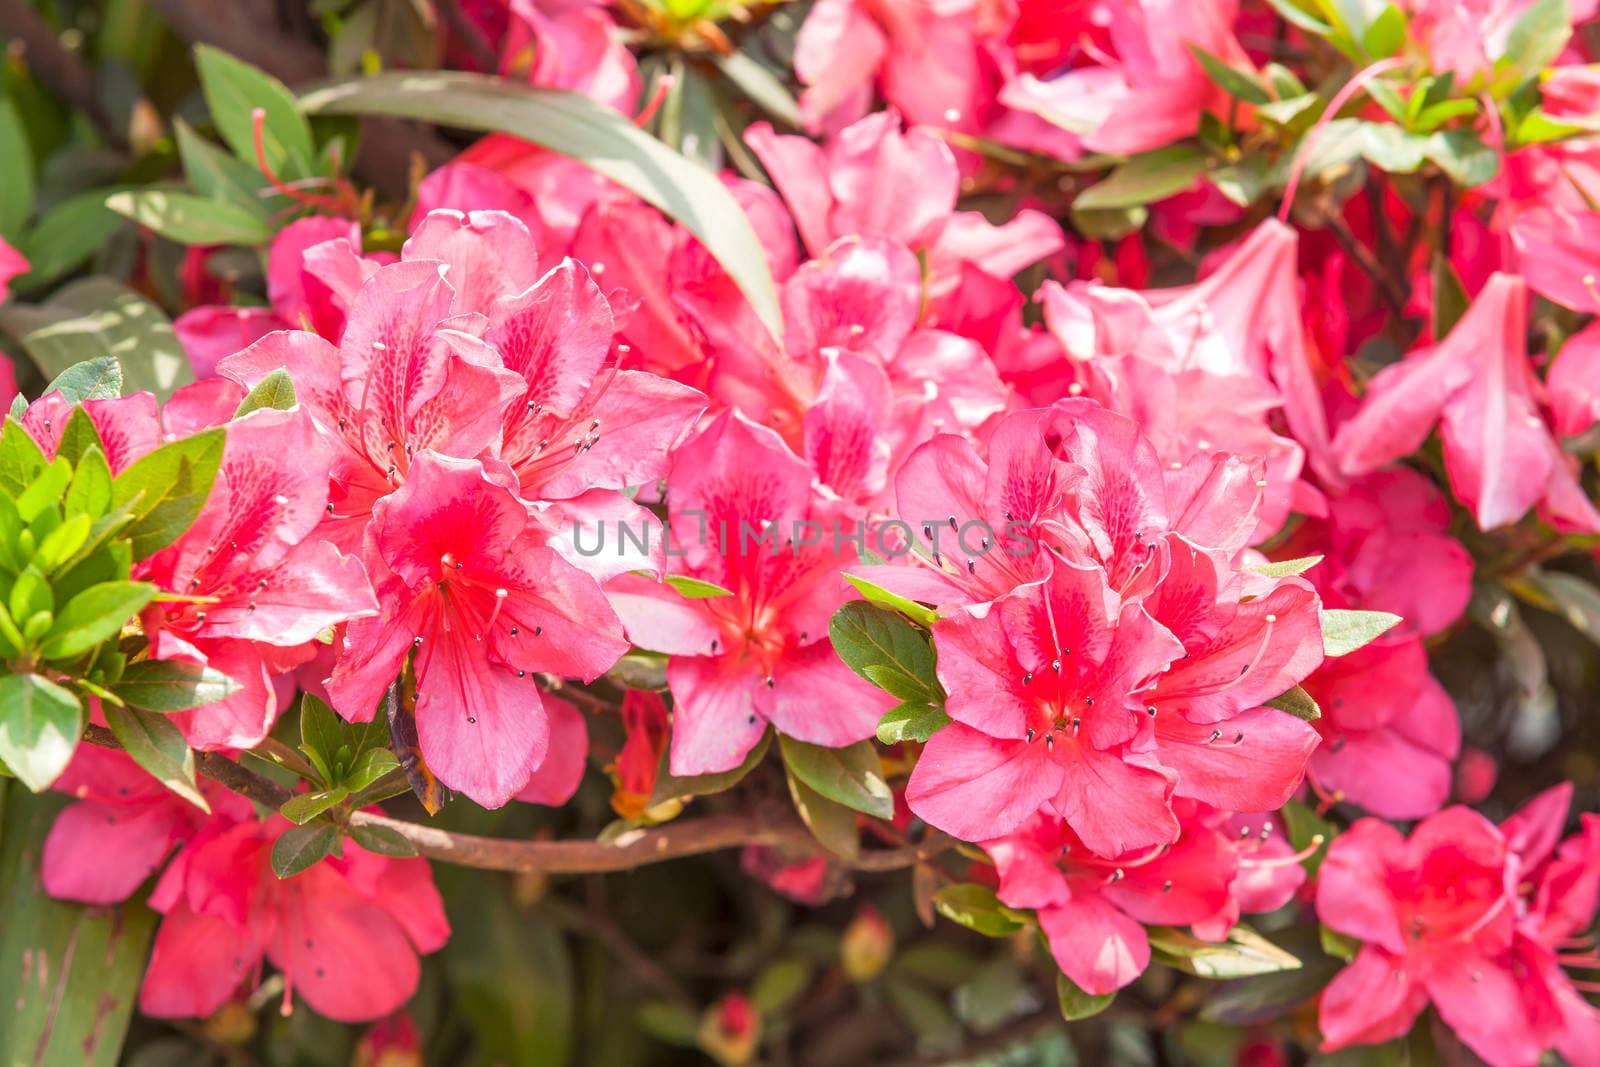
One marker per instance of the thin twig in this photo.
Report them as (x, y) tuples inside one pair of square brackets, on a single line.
[(674, 840), (1389, 288)]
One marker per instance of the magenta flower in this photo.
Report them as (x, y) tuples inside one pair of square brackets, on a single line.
[(760, 655), (262, 583), (1093, 909), (472, 586), (345, 933)]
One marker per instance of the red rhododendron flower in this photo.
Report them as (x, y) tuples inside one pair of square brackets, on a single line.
[(760, 655), (472, 586), (345, 933)]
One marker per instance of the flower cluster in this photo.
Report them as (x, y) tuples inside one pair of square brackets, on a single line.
[(1051, 460)]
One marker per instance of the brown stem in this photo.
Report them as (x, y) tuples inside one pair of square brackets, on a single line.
[(691, 837), (1392, 291)]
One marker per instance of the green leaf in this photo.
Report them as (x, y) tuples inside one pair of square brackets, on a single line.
[(191, 220), (1076, 1004), (1245, 952), (1538, 36), (1265, 998), (926, 1016), (275, 391), (1297, 16), (694, 588), (69, 974), (321, 736), (668, 787), (977, 908), (877, 594), (1145, 179), (850, 776), (1345, 631), (95, 615), (65, 237), (169, 685), (233, 90), (591, 133), (96, 318), (911, 722), (1392, 149), (1572, 598), (158, 746), (39, 727), (304, 807), (370, 766), (833, 824), (301, 847), (16, 173), (166, 489), (93, 379), (1339, 946), (382, 840), (1386, 34), (886, 650), (1285, 568), (216, 175), (780, 984), (1299, 703), (1463, 156), (761, 86), (1234, 82), (1450, 300)]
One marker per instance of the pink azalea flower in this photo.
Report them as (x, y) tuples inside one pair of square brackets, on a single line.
[(858, 382), (872, 180), (1475, 919), (406, 376), (1574, 383), (1093, 909), (1558, 884), (265, 584), (345, 933), (571, 44), (1146, 89), (473, 587), (120, 829), (761, 655), (298, 298), (129, 426), (1390, 731), (645, 719), (925, 56), (558, 777), (1386, 547), (1478, 386)]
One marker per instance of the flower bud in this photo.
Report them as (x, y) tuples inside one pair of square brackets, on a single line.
[(391, 1042), (867, 945), (730, 1030)]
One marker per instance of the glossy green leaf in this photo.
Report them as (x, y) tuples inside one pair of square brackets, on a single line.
[(382, 840), (65, 237), (234, 90), (159, 747), (1297, 702), (575, 126), (1075, 1004), (275, 391), (16, 173), (98, 318), (189, 219), (830, 822), (95, 615), (911, 722), (886, 650), (166, 489), (169, 685), (851, 776), (1145, 179), (304, 807), (1344, 631), (1237, 83), (39, 726), (977, 908), (1245, 952), (876, 594), (301, 847), (669, 787)]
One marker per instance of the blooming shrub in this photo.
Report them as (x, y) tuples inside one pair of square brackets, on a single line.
[(1095, 504)]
